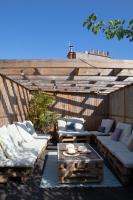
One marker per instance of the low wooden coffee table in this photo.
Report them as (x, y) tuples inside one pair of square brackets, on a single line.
[(79, 167)]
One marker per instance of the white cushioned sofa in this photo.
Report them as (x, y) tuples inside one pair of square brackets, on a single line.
[(71, 129), (19, 150), (118, 150)]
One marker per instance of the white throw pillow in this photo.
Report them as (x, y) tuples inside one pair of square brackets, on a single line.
[(79, 127), (24, 132)]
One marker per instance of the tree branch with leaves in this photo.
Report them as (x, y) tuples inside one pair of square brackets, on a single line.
[(118, 28)]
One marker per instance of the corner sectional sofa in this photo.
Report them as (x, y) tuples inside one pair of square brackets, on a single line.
[(72, 130), (19, 150)]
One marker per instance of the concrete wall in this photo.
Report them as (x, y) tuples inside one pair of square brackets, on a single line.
[(14, 101)]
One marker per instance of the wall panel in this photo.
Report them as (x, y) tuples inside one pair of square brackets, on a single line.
[(14, 101), (121, 105), (91, 107)]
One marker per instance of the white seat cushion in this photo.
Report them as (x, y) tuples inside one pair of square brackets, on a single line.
[(125, 158), (35, 145), (7, 144), (73, 133)]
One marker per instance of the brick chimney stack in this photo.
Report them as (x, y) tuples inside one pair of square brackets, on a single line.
[(71, 54)]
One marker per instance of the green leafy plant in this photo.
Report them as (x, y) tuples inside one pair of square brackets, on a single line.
[(39, 111), (116, 27)]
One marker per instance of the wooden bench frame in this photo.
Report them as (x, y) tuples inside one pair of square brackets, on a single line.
[(21, 173), (122, 172)]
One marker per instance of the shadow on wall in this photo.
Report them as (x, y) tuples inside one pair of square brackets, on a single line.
[(14, 101), (92, 107)]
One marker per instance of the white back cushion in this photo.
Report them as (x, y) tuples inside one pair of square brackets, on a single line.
[(7, 144), (126, 131), (79, 126), (24, 132), (62, 124), (15, 135), (107, 123), (30, 127)]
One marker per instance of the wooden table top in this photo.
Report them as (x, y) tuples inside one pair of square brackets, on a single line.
[(91, 155)]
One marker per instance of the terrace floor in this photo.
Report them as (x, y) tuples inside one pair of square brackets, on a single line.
[(30, 190)]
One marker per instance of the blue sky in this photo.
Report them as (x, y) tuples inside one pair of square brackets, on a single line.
[(41, 29)]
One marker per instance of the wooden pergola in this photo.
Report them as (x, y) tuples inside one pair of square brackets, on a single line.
[(74, 75)]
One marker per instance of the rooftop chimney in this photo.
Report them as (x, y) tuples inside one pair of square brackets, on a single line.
[(71, 54), (99, 53)]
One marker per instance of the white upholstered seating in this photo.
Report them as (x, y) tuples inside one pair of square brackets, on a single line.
[(107, 124), (18, 148)]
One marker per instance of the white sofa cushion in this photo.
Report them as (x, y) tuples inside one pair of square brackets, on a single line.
[(24, 132), (35, 145), (75, 123), (126, 132), (23, 160), (30, 128), (125, 158), (15, 136), (79, 126), (62, 124), (32, 131), (97, 133), (7, 144), (107, 123)]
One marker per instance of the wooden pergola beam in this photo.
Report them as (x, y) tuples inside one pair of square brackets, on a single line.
[(72, 63), (65, 78)]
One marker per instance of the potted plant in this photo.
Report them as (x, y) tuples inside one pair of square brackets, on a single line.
[(39, 111)]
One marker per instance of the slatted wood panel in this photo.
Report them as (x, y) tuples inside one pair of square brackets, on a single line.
[(93, 108), (14, 101), (121, 105)]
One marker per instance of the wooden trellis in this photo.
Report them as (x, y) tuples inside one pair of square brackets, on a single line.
[(75, 75)]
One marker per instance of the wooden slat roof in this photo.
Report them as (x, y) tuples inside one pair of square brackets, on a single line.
[(74, 75)]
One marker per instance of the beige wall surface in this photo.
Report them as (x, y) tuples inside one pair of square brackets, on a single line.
[(121, 105), (14, 101), (91, 107)]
